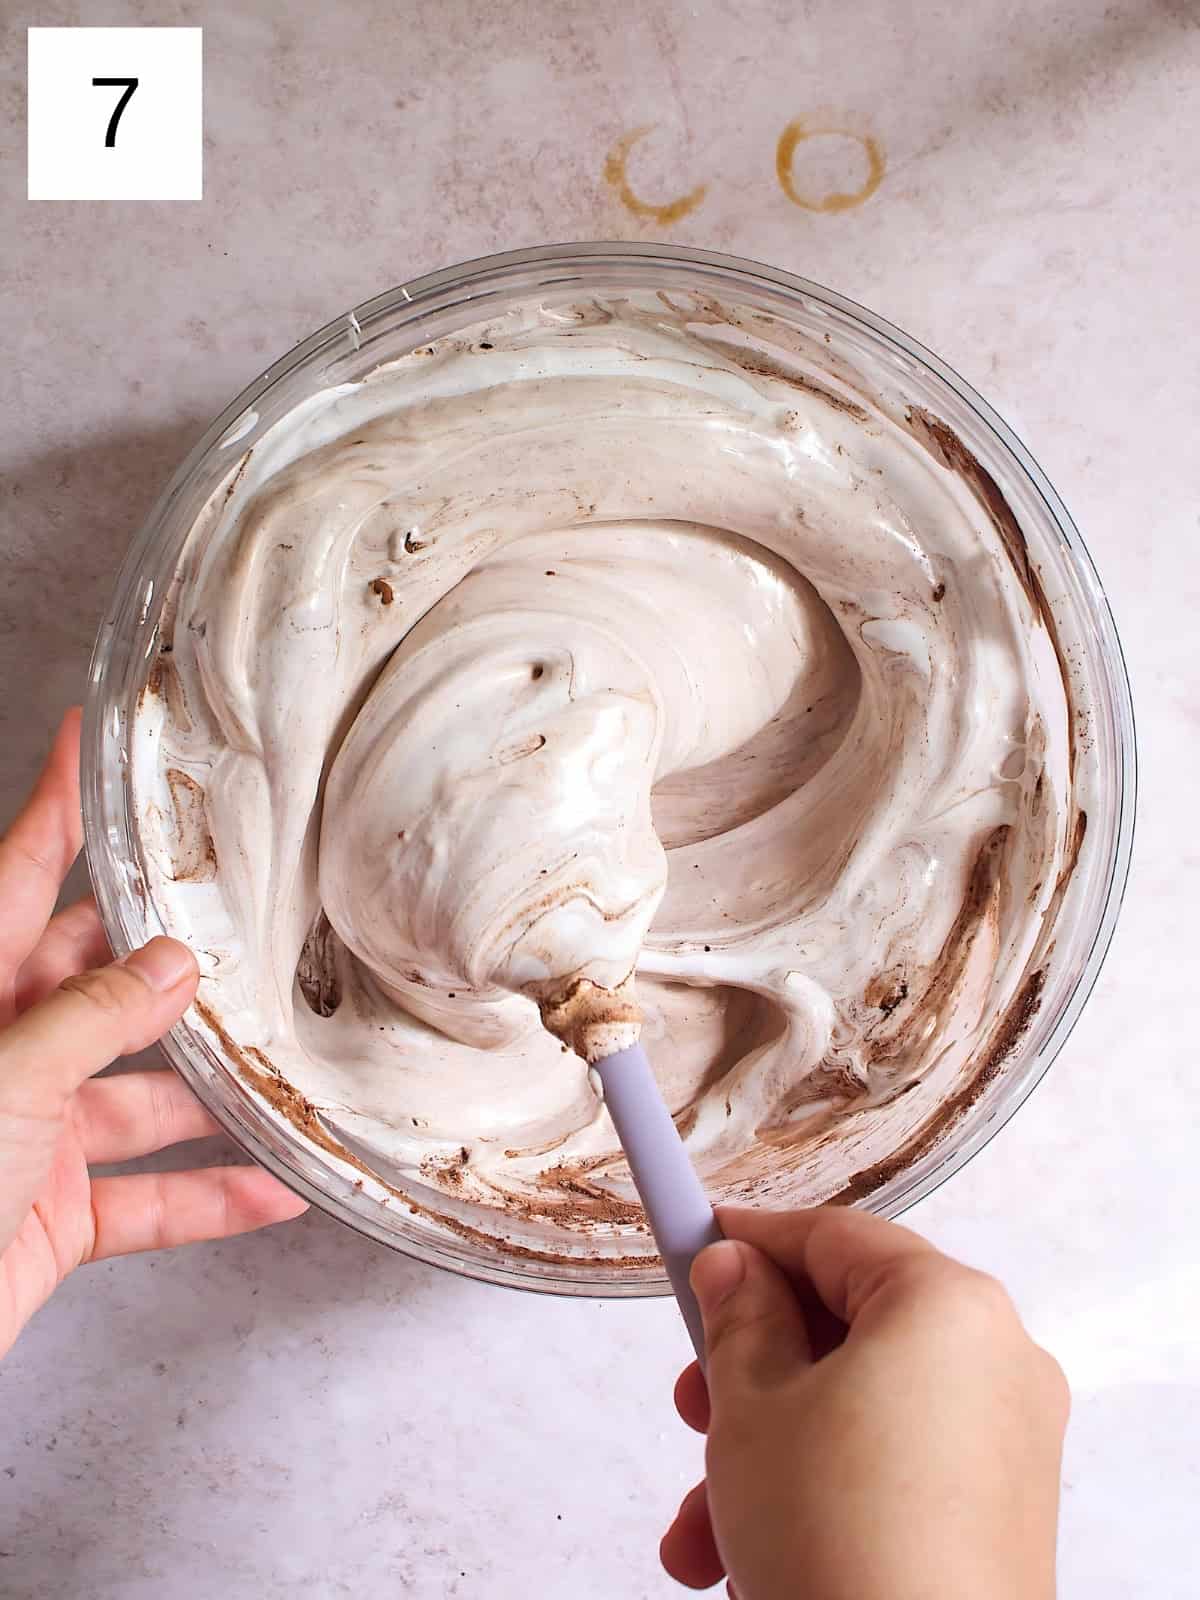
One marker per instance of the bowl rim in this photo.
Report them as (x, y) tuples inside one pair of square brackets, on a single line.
[(573, 258)]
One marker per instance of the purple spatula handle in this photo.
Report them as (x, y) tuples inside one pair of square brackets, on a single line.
[(677, 1208)]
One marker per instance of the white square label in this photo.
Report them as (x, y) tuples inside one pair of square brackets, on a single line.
[(115, 114)]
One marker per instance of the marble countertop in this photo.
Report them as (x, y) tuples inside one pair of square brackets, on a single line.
[(298, 1412)]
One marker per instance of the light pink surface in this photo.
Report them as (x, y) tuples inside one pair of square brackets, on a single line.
[(299, 1413)]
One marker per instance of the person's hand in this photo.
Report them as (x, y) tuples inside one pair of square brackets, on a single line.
[(880, 1426), (66, 1011)]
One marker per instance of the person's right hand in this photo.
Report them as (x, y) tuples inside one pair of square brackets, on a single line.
[(880, 1425)]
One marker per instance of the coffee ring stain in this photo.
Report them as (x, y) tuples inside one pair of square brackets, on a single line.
[(795, 134), (615, 173)]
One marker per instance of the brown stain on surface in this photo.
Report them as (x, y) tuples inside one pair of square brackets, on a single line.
[(795, 134), (164, 683), (585, 1202), (886, 991), (573, 1014), (903, 1003), (529, 746), (497, 1245), (1078, 834), (1009, 1032), (258, 1072), (195, 855), (765, 366), (979, 908), (316, 970), (951, 452), (256, 1069), (615, 174)]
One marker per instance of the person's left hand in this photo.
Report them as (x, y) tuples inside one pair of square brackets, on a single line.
[(67, 1010)]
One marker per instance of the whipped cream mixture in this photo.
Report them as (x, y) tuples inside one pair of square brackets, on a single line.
[(639, 637)]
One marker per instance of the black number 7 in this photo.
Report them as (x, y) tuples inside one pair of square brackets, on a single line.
[(129, 85)]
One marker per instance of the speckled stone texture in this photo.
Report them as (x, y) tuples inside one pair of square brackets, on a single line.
[(299, 1413)]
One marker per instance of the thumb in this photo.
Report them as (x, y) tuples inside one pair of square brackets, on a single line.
[(754, 1331), (90, 1020)]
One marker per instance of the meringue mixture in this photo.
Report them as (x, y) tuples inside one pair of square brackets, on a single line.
[(626, 643)]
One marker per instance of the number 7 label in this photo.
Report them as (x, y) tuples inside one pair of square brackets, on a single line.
[(129, 85), (115, 114)]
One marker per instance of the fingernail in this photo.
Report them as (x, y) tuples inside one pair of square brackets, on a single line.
[(162, 963), (716, 1273)]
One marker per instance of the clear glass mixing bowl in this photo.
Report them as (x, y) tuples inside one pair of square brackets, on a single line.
[(396, 323)]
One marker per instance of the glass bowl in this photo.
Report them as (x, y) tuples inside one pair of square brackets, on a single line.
[(396, 323)]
